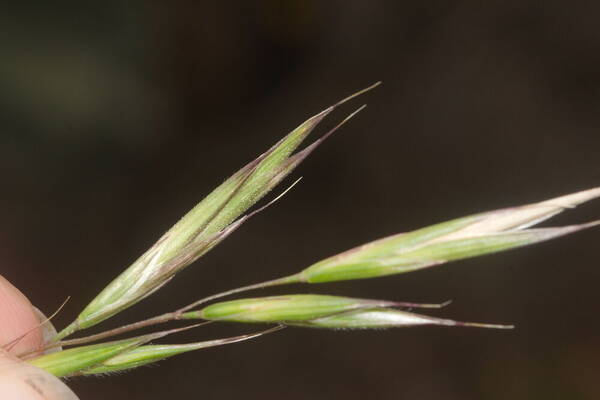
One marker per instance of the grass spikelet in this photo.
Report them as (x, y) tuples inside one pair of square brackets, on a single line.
[(147, 354), (207, 224), (322, 311), (448, 241)]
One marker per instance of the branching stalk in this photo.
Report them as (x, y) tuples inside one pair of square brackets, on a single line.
[(171, 316)]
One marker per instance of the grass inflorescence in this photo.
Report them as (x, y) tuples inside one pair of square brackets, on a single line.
[(224, 210)]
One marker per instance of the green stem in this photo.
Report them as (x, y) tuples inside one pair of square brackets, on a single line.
[(275, 282), (69, 330)]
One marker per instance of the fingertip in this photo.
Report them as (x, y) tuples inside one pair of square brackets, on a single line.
[(18, 317)]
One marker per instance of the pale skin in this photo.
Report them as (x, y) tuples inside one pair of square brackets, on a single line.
[(20, 381)]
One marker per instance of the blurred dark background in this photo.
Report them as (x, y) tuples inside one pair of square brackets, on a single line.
[(118, 116)]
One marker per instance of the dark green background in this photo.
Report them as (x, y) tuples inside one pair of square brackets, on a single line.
[(116, 117)]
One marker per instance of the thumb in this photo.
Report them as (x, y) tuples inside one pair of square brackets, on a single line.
[(20, 381)]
